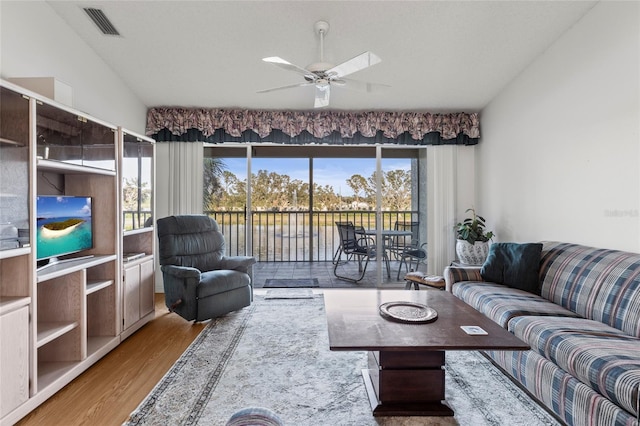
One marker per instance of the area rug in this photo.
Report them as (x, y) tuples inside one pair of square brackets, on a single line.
[(275, 354), (291, 282)]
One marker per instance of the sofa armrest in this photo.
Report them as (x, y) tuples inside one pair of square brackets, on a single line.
[(237, 263), (454, 274)]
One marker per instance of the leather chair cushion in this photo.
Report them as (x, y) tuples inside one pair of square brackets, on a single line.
[(220, 281)]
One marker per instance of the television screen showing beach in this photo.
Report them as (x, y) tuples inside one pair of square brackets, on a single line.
[(64, 225)]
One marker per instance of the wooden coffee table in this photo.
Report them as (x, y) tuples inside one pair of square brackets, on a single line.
[(405, 374)]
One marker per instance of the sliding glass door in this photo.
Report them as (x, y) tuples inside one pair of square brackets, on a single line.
[(290, 197)]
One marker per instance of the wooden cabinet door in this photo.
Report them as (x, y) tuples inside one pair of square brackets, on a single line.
[(147, 287), (14, 359), (131, 294)]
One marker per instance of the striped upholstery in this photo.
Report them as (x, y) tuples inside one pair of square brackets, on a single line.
[(573, 401), (598, 284), (453, 275), (584, 331), (600, 356), (501, 303)]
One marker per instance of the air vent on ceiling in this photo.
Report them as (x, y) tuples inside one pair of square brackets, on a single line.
[(101, 20)]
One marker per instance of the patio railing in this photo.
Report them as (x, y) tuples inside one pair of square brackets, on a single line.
[(296, 236), (133, 219)]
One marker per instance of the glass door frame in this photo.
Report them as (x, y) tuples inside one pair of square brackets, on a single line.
[(250, 149)]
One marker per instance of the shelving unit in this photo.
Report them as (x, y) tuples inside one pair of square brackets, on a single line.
[(138, 232), (57, 320), (16, 274), (76, 155)]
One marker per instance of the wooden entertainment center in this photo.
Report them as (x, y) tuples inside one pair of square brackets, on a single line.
[(56, 321)]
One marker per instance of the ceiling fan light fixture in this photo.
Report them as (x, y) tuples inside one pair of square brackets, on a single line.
[(323, 75), (322, 95)]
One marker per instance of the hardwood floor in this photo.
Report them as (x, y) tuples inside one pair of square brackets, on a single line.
[(112, 388)]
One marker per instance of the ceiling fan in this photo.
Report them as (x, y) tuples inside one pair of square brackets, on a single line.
[(323, 75)]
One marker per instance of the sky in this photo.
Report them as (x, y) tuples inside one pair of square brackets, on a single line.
[(49, 207), (327, 171)]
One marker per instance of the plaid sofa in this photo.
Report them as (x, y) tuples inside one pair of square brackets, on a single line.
[(583, 329)]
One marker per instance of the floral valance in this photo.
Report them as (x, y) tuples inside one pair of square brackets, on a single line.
[(210, 124)]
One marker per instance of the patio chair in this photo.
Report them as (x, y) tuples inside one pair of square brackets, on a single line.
[(200, 282), (417, 252), (353, 245), (338, 224), (396, 245)]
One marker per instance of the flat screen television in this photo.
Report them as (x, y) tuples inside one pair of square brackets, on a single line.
[(64, 226)]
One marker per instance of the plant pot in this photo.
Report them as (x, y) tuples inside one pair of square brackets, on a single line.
[(472, 254)]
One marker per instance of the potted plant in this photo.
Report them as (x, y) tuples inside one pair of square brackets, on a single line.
[(472, 245)]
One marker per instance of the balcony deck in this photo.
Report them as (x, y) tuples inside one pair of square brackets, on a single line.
[(323, 271), (285, 241)]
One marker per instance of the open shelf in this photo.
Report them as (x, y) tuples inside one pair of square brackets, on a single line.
[(138, 231), (49, 372), (126, 262), (49, 331), (6, 254), (71, 168), (72, 265), (95, 285), (97, 343)]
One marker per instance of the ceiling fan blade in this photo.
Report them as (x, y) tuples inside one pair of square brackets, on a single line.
[(363, 86), (322, 95), (362, 61), (286, 87), (279, 62)]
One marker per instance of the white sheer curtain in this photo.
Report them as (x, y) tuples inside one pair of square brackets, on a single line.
[(441, 196), (179, 169)]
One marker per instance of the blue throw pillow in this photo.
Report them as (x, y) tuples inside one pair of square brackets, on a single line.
[(514, 265)]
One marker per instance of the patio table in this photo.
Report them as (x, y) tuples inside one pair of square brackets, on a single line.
[(386, 235)]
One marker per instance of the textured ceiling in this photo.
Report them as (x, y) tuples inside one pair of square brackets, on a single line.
[(436, 55)]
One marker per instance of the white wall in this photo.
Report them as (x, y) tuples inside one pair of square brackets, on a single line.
[(36, 42), (559, 157)]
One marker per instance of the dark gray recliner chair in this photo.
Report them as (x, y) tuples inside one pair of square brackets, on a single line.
[(200, 282)]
